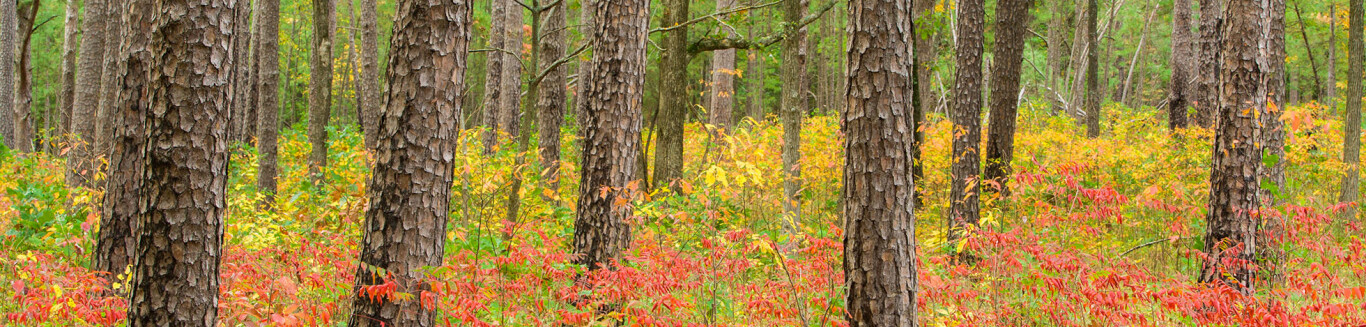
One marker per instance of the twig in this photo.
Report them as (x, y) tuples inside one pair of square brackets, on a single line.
[(1153, 242), (709, 16)]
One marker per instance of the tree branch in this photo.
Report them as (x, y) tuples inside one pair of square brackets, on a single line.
[(719, 13), (714, 43)]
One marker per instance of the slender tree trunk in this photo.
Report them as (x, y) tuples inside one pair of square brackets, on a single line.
[(80, 163), (320, 86), (243, 106), (721, 100), (1273, 129), (879, 205), (493, 80), (1182, 61), (792, 112), (615, 92), (1351, 149), (369, 72), (1093, 89), (1058, 51), (673, 97), (69, 44), (113, 33), (1330, 89), (23, 88), (185, 175), (1207, 77), (117, 243), (1077, 65), (967, 122), (267, 97), (585, 67), (1126, 89), (925, 56), (552, 91), (1011, 25), (509, 116), (9, 27), (1234, 190), (755, 79), (410, 188)]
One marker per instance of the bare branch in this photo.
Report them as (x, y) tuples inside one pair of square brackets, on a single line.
[(712, 43), (719, 13)]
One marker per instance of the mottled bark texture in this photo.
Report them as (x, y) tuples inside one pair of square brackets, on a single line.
[(71, 27), (23, 83), (673, 95), (967, 120), (267, 97), (615, 93), (509, 113), (368, 85), (1273, 130), (552, 96), (1351, 148), (792, 111), (243, 106), (1011, 32), (113, 42), (1230, 237), (9, 27), (185, 167), (114, 250), (80, 162), (320, 86), (585, 67), (405, 226), (721, 101), (493, 73), (925, 54), (1207, 75), (1182, 61), (879, 205), (1093, 89)]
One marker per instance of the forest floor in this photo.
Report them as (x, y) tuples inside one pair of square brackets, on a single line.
[(1096, 232)]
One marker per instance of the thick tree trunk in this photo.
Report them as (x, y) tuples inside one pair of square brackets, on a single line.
[(320, 86), (792, 112), (23, 88), (1093, 89), (721, 101), (116, 246), (967, 121), (405, 226), (1351, 148), (113, 42), (551, 92), (1207, 76), (243, 106), (509, 115), (369, 72), (615, 94), (267, 97), (1182, 61), (1230, 244), (70, 29), (673, 97), (9, 27), (493, 70), (1011, 32), (185, 176), (80, 164), (879, 205)]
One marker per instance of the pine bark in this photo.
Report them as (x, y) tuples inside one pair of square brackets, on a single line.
[(1093, 89), (967, 119), (585, 67), (185, 172), (267, 97), (113, 42), (1351, 148), (23, 88), (243, 106), (80, 162), (320, 86), (1058, 51), (405, 226), (1011, 32), (493, 80), (552, 91), (1230, 238), (1182, 61), (1272, 127), (70, 29), (9, 27), (673, 97), (1207, 76), (925, 56), (879, 207), (117, 242), (792, 111), (721, 102), (615, 93), (1330, 89), (369, 72), (509, 114)]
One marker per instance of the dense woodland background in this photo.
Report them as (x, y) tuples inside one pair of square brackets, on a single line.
[(703, 162)]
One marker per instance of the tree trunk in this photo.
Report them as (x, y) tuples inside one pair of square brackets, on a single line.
[(267, 97), (722, 101), (70, 29), (792, 112), (80, 164), (673, 95), (117, 243), (1234, 190), (113, 41), (1093, 89), (1330, 89), (1182, 60), (493, 80), (243, 106), (1207, 77), (185, 176), (369, 72), (967, 121), (1058, 51), (1351, 148), (755, 80), (551, 91), (320, 86), (405, 226), (1011, 32), (923, 65), (23, 88), (514, 40), (879, 207), (585, 68), (9, 27), (613, 104), (1273, 129)]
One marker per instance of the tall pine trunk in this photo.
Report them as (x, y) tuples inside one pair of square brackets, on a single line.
[(23, 88), (1093, 89), (722, 101), (243, 104), (80, 163), (67, 95), (1182, 61), (792, 112), (369, 72), (405, 226), (1351, 149), (967, 121), (673, 95), (320, 86), (9, 27), (267, 97), (113, 42), (1011, 23), (117, 242), (509, 113), (552, 91), (1207, 76), (493, 72)]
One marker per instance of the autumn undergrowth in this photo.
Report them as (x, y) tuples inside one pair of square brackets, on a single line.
[(1103, 232)]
